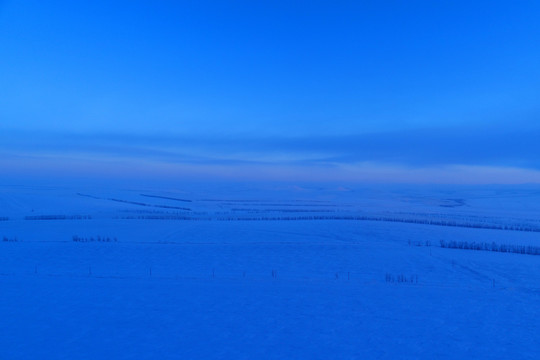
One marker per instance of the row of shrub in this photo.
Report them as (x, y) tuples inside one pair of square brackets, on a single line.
[(58, 217), (451, 223), (77, 238), (419, 243), (484, 246), (262, 211), (160, 217), (400, 278), (6, 239)]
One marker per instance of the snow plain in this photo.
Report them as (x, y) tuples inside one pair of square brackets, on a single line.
[(267, 272)]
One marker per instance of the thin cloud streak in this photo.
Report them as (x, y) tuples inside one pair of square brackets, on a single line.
[(135, 169), (418, 148), (426, 156)]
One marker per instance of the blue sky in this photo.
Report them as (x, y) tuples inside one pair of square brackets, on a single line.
[(378, 91)]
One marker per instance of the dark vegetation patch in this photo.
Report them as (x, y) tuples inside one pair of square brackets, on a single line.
[(136, 203), (452, 203), (149, 205), (89, 196), (166, 197)]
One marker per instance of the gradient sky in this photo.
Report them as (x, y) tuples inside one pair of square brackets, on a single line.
[(377, 91)]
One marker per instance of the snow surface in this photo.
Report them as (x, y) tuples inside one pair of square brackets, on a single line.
[(267, 272)]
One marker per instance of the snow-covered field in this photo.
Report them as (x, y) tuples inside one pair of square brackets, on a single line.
[(268, 272)]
